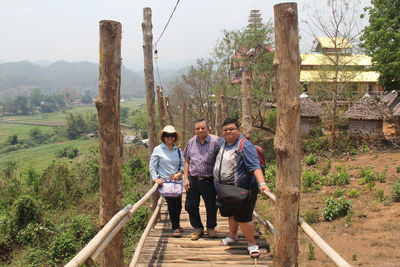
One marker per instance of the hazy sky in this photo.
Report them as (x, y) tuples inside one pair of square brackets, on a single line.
[(69, 29)]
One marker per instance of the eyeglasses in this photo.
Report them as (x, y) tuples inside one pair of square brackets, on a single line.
[(169, 135), (229, 129), (200, 128)]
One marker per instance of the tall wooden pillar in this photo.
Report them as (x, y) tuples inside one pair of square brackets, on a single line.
[(161, 108), (147, 27), (287, 139), (107, 106), (246, 106)]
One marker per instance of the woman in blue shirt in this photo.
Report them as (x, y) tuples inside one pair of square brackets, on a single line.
[(166, 163)]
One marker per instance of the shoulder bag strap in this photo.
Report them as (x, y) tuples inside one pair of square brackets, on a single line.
[(220, 163)]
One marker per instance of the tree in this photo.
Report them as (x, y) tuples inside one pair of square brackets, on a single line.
[(75, 126), (87, 97), (381, 40), (21, 103), (339, 25), (36, 97)]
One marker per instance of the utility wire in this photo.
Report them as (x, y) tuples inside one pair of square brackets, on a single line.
[(158, 74), (166, 25)]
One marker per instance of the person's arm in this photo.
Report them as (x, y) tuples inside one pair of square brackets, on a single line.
[(186, 183), (179, 174), (260, 180), (153, 167)]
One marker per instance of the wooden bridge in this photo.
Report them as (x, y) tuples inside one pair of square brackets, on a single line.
[(161, 249), (158, 248)]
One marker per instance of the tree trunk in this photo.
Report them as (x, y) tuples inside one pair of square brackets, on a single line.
[(224, 104), (161, 109), (246, 106), (168, 105), (183, 141), (108, 108), (287, 138), (218, 115), (149, 81)]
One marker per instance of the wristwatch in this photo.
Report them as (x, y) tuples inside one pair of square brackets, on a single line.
[(261, 184)]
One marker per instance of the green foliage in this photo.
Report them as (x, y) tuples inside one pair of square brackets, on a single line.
[(58, 186), (135, 226), (348, 218), (75, 126), (88, 170), (63, 248), (379, 195), (368, 175), (353, 193), (270, 177), (311, 216), (335, 208), (32, 178), (26, 210), (139, 120), (7, 233), (316, 145), (36, 234), (396, 191), (340, 177), (68, 151), (338, 193), (87, 97), (311, 253), (37, 136), (325, 167), (381, 41), (311, 180), (9, 168), (398, 169), (364, 148), (311, 159), (370, 186), (123, 114)]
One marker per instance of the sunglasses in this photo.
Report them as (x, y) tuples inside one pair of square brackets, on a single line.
[(169, 135)]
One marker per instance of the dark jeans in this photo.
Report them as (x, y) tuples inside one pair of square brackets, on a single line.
[(174, 208), (205, 189)]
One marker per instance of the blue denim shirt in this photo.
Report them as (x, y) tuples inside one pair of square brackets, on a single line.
[(164, 162)]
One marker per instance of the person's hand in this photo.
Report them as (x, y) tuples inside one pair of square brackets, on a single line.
[(264, 188), (186, 184), (159, 181), (176, 176)]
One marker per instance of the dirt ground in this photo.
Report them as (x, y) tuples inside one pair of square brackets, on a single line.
[(372, 237)]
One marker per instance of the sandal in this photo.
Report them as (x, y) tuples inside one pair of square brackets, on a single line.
[(196, 235), (177, 232), (227, 241), (254, 252)]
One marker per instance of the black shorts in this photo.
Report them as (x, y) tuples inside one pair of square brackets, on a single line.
[(245, 212)]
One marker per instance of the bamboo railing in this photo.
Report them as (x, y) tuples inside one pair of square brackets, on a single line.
[(100, 241), (328, 250)]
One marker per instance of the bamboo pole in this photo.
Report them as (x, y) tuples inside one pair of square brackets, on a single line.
[(328, 250), (287, 142), (169, 111), (266, 223), (88, 250), (108, 109), (145, 233), (161, 108)]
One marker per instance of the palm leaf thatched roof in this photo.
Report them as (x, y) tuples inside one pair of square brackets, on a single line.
[(367, 108), (309, 108), (390, 98)]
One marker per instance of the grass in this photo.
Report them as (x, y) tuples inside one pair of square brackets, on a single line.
[(8, 129), (40, 157)]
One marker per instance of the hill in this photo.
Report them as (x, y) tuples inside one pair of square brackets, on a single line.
[(18, 78)]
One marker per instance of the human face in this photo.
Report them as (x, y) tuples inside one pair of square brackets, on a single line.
[(201, 129), (169, 139), (230, 132)]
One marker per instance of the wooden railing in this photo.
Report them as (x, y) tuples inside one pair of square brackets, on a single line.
[(328, 250), (94, 248)]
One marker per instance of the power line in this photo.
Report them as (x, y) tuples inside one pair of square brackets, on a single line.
[(166, 25)]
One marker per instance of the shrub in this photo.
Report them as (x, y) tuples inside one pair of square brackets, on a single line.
[(325, 167), (341, 177), (396, 191), (135, 226), (379, 195), (270, 177), (58, 186), (26, 210), (88, 170), (63, 248), (364, 148), (371, 186), (32, 179), (9, 168), (33, 257), (338, 193), (311, 216), (335, 208), (36, 234), (6, 237), (311, 159), (353, 193), (367, 175), (82, 227), (315, 145), (311, 180), (68, 151)]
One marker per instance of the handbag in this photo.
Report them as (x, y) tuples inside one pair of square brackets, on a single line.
[(172, 188), (230, 196)]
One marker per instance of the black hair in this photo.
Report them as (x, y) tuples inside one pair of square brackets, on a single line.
[(200, 120), (229, 121)]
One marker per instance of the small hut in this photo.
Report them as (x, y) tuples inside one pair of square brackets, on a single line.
[(310, 114), (390, 99), (366, 117)]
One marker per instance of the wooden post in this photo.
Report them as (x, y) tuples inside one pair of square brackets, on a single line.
[(149, 81), (287, 138), (246, 107), (169, 111), (224, 104), (161, 109), (218, 115), (107, 106)]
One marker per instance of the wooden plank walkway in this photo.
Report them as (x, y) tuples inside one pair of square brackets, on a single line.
[(161, 249)]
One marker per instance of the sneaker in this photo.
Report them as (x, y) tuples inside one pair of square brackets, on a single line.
[(196, 235), (177, 232), (211, 233)]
